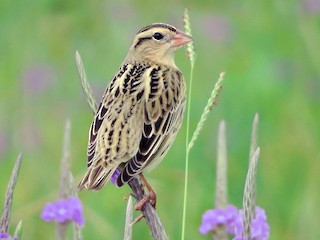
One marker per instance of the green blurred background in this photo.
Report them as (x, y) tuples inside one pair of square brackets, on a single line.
[(270, 52)]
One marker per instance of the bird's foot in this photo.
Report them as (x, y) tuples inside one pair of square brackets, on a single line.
[(151, 197)]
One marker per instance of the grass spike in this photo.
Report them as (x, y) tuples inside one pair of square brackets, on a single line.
[(221, 199), (254, 136), (249, 195), (85, 84), (5, 219), (211, 101), (221, 194)]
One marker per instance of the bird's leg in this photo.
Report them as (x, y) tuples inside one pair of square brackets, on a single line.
[(150, 197)]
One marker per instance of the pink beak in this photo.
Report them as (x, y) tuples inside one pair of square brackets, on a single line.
[(180, 39)]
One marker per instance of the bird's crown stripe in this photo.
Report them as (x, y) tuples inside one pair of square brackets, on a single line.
[(158, 25)]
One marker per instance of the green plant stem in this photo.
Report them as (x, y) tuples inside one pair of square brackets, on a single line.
[(184, 212)]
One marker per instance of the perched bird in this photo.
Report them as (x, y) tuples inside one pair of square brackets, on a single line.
[(141, 110)]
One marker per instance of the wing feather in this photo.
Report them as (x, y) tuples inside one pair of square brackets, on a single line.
[(135, 124), (115, 132), (163, 113)]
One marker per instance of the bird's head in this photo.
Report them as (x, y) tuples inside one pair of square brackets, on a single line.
[(157, 42)]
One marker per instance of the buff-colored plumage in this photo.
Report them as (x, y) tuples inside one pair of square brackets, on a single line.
[(140, 111)]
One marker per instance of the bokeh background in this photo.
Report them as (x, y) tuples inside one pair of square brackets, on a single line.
[(270, 52)]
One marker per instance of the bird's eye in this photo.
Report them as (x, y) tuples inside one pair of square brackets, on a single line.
[(157, 36)]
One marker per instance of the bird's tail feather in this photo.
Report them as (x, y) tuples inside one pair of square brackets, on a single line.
[(95, 178)]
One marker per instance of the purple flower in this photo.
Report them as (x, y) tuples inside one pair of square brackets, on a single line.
[(7, 236), (214, 218), (4, 235), (115, 176), (260, 229), (239, 238), (64, 210)]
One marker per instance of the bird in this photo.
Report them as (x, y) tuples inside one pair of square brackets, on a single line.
[(140, 111)]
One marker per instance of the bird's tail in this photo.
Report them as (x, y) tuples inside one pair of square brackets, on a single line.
[(95, 178)]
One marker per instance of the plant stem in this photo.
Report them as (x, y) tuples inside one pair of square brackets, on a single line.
[(187, 159), (149, 213), (61, 228)]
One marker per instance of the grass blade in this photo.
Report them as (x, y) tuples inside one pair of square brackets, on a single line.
[(85, 85), (221, 199), (211, 101), (18, 232), (61, 228), (129, 219), (77, 235), (5, 219), (249, 195), (254, 135), (65, 163), (191, 54)]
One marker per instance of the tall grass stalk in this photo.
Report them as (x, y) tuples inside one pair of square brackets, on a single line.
[(253, 147), (212, 100), (65, 163), (191, 54), (221, 194), (67, 185), (73, 191), (61, 228)]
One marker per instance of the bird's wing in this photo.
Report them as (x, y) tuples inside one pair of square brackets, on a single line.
[(115, 132), (162, 117)]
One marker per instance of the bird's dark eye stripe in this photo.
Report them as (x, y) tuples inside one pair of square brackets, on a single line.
[(140, 40), (157, 36)]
